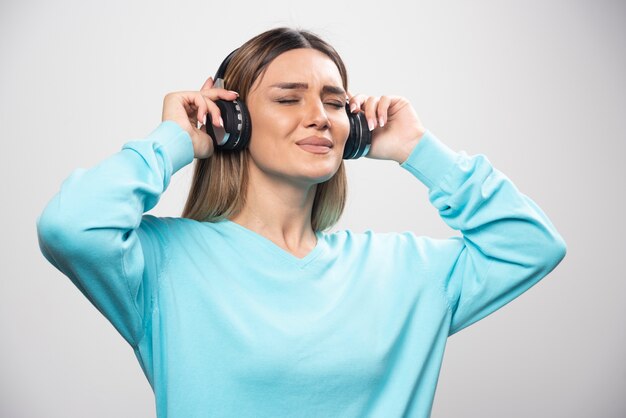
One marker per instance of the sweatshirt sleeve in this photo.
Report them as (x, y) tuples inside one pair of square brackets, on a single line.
[(94, 231), (508, 243)]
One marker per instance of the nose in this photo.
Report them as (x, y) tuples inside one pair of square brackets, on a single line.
[(316, 116)]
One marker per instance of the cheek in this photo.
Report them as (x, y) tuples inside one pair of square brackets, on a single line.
[(269, 126), (341, 129), (271, 137)]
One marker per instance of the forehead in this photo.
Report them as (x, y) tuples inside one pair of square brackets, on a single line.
[(305, 65)]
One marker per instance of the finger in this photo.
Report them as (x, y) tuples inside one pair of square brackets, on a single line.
[(206, 109), (203, 107), (356, 102), (200, 105), (382, 109), (370, 111), (207, 84), (216, 94), (214, 114)]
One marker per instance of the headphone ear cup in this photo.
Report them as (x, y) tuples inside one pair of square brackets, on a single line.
[(235, 135), (360, 137)]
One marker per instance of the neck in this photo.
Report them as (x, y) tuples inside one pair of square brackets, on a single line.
[(279, 210)]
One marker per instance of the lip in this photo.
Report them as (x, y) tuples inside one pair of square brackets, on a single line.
[(315, 149), (318, 141)]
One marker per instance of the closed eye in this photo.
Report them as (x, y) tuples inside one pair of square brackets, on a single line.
[(336, 105)]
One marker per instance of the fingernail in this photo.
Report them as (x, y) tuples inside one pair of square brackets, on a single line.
[(370, 124), (221, 122), (381, 122), (352, 107), (234, 92), (205, 116)]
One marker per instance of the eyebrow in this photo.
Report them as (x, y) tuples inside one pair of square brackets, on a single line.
[(304, 86)]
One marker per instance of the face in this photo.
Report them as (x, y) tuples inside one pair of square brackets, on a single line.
[(298, 98)]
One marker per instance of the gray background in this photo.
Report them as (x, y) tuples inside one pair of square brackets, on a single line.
[(536, 86)]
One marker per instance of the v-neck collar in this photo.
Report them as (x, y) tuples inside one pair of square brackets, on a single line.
[(277, 250)]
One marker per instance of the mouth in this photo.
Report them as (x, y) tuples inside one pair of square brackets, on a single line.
[(316, 145), (315, 149)]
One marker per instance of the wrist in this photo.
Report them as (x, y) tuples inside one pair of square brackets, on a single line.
[(407, 147)]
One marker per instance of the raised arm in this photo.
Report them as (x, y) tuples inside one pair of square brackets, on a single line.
[(93, 230), (508, 242), (89, 230)]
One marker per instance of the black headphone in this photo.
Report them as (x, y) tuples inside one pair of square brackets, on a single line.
[(237, 129)]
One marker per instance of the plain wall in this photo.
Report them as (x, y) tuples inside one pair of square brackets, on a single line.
[(536, 86)]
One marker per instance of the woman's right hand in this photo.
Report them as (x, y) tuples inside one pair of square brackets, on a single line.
[(188, 107)]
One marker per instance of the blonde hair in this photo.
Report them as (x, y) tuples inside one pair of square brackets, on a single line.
[(219, 184)]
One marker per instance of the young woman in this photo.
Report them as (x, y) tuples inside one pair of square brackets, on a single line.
[(246, 306)]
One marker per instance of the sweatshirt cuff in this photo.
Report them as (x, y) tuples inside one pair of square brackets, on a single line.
[(430, 160), (175, 141)]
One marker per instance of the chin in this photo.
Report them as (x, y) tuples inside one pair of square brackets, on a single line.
[(320, 174)]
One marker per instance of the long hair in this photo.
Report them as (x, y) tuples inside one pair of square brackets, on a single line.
[(219, 184)]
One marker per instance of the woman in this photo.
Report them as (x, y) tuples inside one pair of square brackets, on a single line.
[(246, 306)]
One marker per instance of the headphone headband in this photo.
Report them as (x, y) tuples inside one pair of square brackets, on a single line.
[(221, 71)]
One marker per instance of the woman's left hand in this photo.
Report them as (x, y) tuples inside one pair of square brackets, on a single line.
[(395, 126)]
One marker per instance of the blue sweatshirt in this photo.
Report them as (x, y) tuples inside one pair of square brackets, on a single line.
[(225, 323)]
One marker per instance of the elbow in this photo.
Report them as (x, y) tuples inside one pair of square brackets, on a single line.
[(554, 252), (49, 230), (55, 232), (47, 225), (562, 249)]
